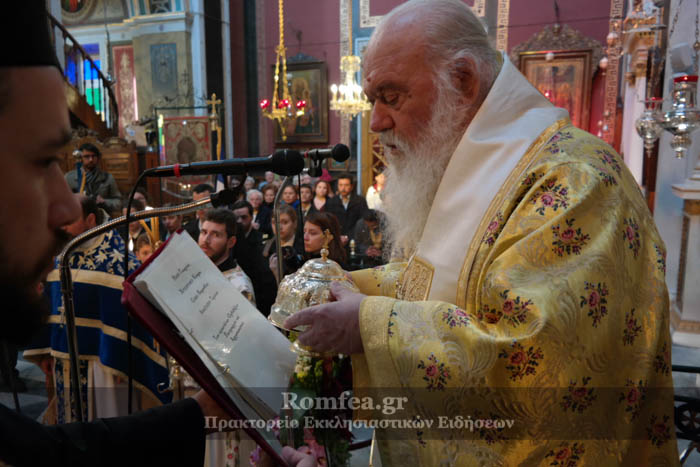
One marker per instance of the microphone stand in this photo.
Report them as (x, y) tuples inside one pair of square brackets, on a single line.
[(278, 239), (67, 281)]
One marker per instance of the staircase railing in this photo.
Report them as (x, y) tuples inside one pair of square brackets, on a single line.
[(86, 77)]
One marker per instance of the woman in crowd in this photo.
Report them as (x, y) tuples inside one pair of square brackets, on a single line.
[(321, 191), (292, 244), (314, 227), (290, 196), (261, 214), (249, 183), (269, 191), (374, 192)]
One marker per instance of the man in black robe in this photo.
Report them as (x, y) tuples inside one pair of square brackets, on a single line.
[(37, 203)]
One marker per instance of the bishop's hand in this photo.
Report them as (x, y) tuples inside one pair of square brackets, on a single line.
[(333, 327), (300, 457)]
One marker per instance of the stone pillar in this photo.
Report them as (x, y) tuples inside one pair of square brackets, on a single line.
[(685, 315), (199, 56)]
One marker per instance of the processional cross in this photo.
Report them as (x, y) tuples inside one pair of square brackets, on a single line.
[(214, 115)]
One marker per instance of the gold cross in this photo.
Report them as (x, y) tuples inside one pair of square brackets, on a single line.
[(327, 237), (214, 115)]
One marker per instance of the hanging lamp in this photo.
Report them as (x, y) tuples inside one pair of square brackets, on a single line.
[(348, 98), (281, 109)]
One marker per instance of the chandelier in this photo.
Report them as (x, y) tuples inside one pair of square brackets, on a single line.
[(282, 109), (351, 100), (680, 121)]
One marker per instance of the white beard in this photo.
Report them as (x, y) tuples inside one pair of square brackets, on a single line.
[(414, 173)]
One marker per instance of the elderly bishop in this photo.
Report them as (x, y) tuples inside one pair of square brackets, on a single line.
[(534, 288)]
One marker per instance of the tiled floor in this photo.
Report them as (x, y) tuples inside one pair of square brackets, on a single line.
[(33, 402)]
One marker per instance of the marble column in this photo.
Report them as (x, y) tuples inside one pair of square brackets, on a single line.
[(685, 316)]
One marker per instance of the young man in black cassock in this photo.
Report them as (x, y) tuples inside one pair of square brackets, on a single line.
[(37, 203)]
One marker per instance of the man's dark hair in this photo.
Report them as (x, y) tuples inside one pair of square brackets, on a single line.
[(243, 204), (346, 176), (306, 185), (136, 204), (202, 187), (89, 206), (371, 216), (143, 191), (222, 216), (91, 148)]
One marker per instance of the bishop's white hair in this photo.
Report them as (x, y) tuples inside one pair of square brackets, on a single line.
[(451, 32)]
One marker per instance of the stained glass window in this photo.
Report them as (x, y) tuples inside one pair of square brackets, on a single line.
[(160, 6)]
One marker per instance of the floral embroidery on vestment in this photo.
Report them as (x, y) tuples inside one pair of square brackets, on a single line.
[(436, 373), (568, 240), (596, 300), (521, 362), (579, 397)]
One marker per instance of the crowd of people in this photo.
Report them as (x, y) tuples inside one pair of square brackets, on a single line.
[(305, 207), (354, 221)]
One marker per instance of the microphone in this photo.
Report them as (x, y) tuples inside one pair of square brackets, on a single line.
[(223, 198), (282, 162), (339, 153)]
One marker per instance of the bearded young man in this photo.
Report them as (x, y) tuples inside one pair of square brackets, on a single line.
[(535, 288), (217, 237), (37, 203), (92, 181)]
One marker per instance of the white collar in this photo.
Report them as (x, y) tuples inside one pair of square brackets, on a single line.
[(510, 119)]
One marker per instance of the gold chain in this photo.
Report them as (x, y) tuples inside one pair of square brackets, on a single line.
[(281, 19), (675, 19), (283, 53), (350, 26)]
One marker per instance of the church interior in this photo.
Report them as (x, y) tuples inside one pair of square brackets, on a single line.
[(158, 82)]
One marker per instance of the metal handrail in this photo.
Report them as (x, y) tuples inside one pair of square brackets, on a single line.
[(112, 118)]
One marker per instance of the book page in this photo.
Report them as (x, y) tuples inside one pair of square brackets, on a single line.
[(239, 345)]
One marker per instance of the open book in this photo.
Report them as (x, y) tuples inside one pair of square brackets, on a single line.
[(246, 355)]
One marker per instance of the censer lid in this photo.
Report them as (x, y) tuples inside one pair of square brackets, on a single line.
[(322, 268)]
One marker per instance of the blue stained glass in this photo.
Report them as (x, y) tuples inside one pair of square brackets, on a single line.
[(92, 49), (71, 72), (89, 71)]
